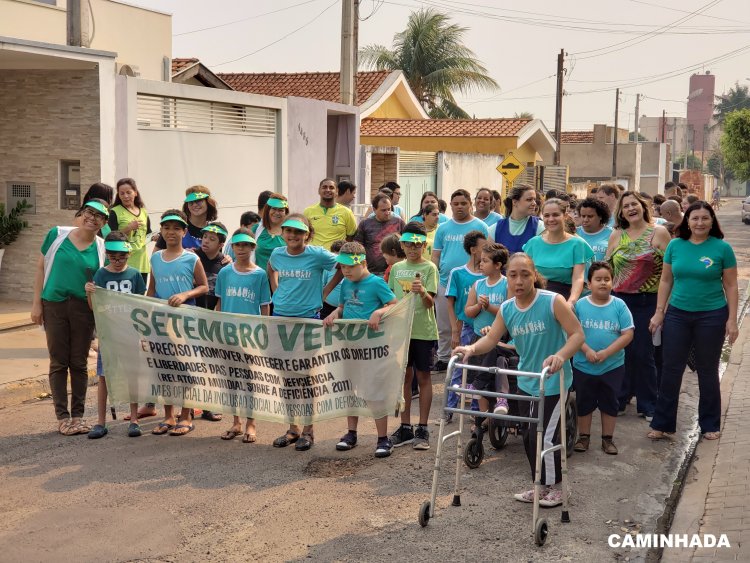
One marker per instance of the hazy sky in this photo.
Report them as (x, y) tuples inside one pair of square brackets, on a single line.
[(649, 47)]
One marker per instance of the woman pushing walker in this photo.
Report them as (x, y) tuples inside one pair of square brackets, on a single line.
[(546, 333)]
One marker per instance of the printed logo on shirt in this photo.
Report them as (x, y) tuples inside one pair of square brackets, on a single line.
[(296, 274), (530, 327), (706, 261), (335, 220), (242, 292), (354, 299), (602, 325), (123, 286), (454, 238)]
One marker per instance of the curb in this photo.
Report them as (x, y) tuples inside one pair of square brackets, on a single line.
[(33, 389), (665, 521)]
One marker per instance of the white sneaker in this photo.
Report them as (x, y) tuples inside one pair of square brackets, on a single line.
[(501, 406), (528, 496)]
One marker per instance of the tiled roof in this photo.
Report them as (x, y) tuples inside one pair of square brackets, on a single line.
[(573, 137), (316, 85), (178, 65), (442, 127)]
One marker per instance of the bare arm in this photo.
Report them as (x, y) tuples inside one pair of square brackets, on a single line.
[(729, 280), (151, 291), (455, 323), (569, 322), (576, 287), (473, 307), (36, 306), (487, 342), (614, 238), (436, 258), (273, 277), (662, 298)]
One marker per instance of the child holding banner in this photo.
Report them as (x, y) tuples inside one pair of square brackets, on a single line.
[(242, 288), (416, 275), (115, 276), (296, 275), (363, 296), (212, 259), (177, 276)]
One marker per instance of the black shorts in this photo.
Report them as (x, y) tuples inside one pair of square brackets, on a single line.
[(420, 354), (598, 391)]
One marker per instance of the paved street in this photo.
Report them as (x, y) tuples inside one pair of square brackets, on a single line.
[(200, 498)]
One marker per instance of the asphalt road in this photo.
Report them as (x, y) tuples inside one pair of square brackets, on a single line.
[(200, 498)]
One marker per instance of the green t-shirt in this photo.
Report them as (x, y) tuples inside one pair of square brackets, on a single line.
[(555, 261), (698, 270), (67, 277), (402, 274)]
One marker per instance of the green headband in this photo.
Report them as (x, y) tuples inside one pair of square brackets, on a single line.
[(295, 224), (196, 196), (350, 259), (413, 237), (95, 205), (215, 229), (277, 203), (117, 246), (242, 237), (173, 218)]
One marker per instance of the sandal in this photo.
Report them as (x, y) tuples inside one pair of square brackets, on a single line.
[(249, 438), (659, 435), (231, 434), (98, 431), (80, 426), (304, 443), (285, 440), (162, 428), (211, 416), (582, 444), (188, 427), (712, 435), (134, 430), (66, 428)]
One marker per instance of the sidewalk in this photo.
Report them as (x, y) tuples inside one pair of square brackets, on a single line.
[(14, 314), (716, 498)]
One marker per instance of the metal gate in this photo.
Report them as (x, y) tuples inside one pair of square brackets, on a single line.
[(417, 174)]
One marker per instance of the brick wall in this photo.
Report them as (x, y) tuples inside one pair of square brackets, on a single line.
[(48, 116)]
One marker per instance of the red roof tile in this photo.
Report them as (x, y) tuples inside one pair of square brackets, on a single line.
[(576, 137), (442, 127), (316, 85), (178, 65)]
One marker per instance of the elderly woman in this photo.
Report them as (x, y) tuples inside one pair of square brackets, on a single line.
[(70, 256), (697, 308), (635, 250)]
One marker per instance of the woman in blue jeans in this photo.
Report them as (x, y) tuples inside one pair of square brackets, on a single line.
[(699, 284)]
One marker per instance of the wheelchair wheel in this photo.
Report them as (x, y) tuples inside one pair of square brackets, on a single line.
[(424, 513), (571, 424), (473, 453), (498, 434)]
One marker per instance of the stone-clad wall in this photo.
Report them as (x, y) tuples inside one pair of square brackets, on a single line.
[(45, 116)]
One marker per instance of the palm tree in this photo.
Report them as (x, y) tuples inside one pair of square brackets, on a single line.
[(523, 115), (737, 98), (434, 60)]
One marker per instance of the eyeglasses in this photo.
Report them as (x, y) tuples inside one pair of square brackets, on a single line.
[(91, 214), (117, 257), (413, 244)]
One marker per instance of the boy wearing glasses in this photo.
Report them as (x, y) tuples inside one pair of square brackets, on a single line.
[(115, 276)]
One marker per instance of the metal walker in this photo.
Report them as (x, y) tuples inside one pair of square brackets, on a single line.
[(539, 525)]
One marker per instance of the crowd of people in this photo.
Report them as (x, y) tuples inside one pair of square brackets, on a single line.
[(614, 292)]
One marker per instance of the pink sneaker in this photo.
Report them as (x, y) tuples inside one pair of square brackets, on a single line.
[(528, 496), (551, 499)]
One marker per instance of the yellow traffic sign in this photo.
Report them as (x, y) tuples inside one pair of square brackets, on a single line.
[(510, 168)]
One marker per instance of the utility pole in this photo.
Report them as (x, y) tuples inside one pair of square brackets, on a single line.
[(614, 148), (558, 104), (348, 52), (637, 109), (663, 125)]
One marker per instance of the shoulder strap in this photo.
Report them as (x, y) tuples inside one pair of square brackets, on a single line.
[(49, 256)]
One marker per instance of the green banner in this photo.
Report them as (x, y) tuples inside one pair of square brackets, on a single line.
[(277, 369)]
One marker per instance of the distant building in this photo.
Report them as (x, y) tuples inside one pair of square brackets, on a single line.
[(700, 110)]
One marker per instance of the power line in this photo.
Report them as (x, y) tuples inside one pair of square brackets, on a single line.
[(243, 19), (331, 5), (683, 11)]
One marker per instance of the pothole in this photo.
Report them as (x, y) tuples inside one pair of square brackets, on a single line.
[(336, 467)]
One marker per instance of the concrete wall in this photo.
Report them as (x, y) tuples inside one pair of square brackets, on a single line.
[(33, 21), (468, 171), (48, 116)]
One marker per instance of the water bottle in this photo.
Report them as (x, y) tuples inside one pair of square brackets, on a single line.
[(656, 337)]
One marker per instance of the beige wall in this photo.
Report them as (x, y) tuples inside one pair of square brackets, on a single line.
[(33, 21), (48, 116), (468, 171), (139, 37)]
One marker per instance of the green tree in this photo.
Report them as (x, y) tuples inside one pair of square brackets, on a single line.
[(693, 162), (523, 115), (717, 166), (737, 98), (735, 143), (631, 137), (434, 60)]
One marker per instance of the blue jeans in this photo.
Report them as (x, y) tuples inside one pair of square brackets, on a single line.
[(467, 335), (640, 368), (704, 331)]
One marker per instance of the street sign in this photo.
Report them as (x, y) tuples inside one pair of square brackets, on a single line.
[(510, 168)]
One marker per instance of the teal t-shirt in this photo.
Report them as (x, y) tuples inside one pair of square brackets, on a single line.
[(174, 276), (602, 325), (698, 270), (242, 292), (334, 298), (537, 334), (362, 298), (496, 293), (424, 326), (266, 244), (129, 280), (459, 283), (67, 276), (492, 218), (300, 290), (419, 219), (556, 261), (449, 240), (597, 241)]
